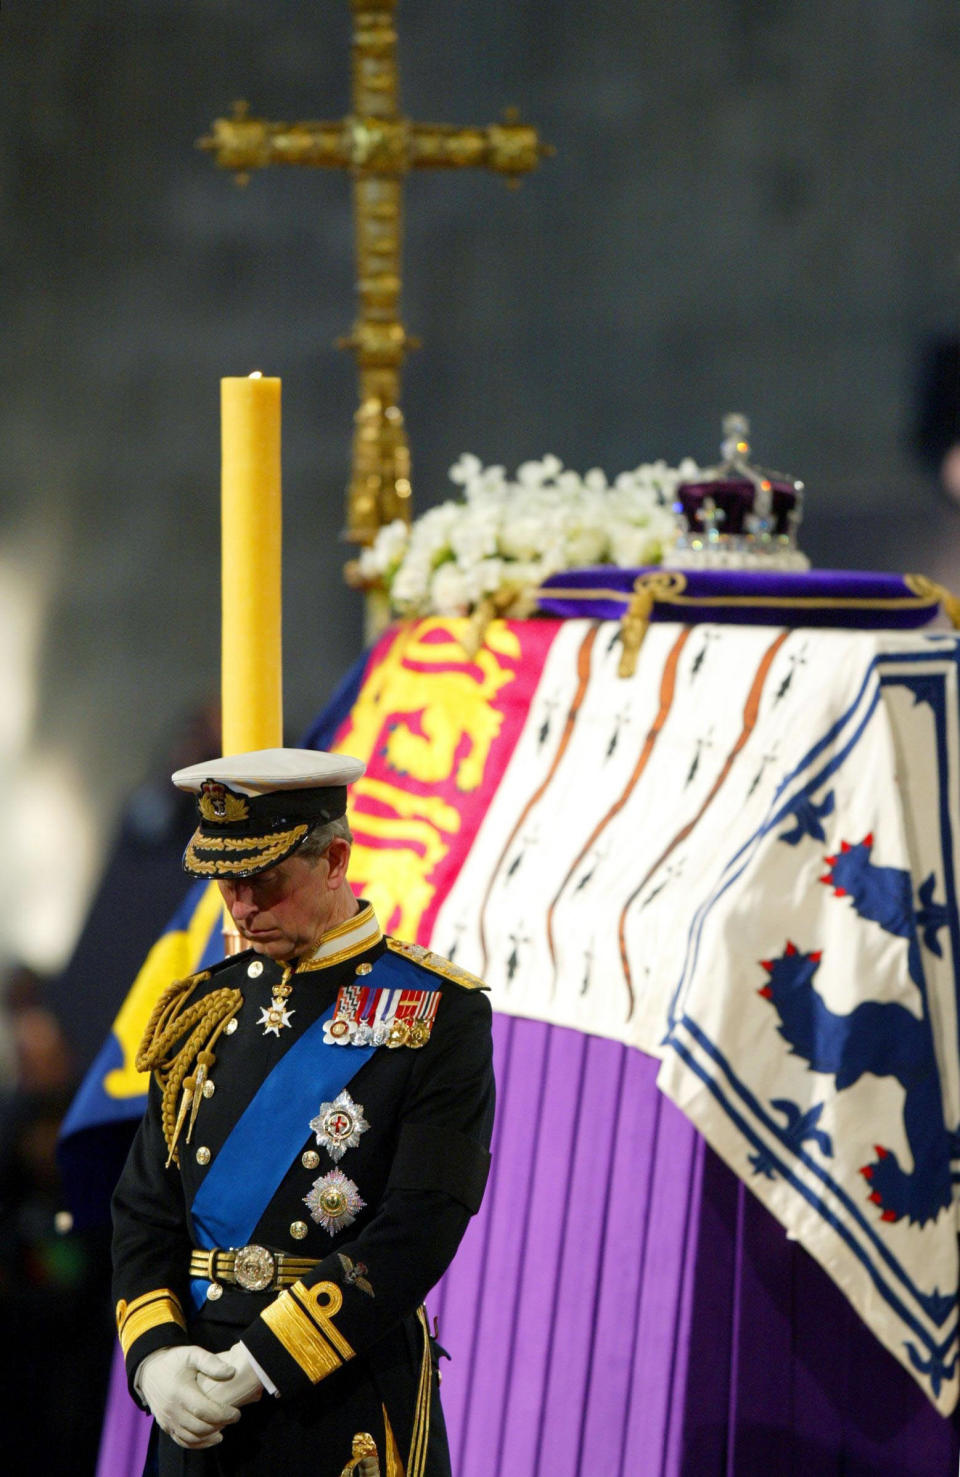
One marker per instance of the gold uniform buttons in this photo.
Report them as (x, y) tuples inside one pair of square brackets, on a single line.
[(230, 1027), (310, 1159), (209, 1088), (298, 1230), (364, 968), (203, 1155), (255, 968), (214, 1291)]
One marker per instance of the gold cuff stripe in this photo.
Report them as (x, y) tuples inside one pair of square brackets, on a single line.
[(306, 1330), (323, 1317), (148, 1311)]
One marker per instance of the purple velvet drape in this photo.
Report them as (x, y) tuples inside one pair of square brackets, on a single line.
[(623, 1305), (854, 599)]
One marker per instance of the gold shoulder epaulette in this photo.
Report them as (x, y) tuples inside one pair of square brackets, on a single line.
[(437, 964)]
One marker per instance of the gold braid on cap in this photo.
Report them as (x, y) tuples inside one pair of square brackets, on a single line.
[(188, 1065)]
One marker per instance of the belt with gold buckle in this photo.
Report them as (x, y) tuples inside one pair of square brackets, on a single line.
[(254, 1268)]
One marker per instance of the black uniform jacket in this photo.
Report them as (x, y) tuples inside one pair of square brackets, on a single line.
[(344, 1344)]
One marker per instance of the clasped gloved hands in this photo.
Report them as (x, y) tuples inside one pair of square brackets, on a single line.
[(190, 1413), (241, 1387)]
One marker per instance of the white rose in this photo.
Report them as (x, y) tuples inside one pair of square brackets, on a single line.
[(524, 573), (449, 590), (390, 545), (474, 536), (531, 474), (411, 583), (430, 539), (369, 564), (465, 469), (486, 578), (521, 538), (585, 545), (632, 546), (492, 481)]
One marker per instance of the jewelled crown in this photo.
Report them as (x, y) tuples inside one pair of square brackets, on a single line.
[(737, 515)]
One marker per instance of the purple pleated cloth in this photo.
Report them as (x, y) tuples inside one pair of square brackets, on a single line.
[(624, 1306), (126, 1430), (820, 597)]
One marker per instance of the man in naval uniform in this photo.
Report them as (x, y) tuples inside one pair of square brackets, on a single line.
[(315, 1142)]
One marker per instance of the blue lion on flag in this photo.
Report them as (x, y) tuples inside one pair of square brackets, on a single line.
[(882, 1038)]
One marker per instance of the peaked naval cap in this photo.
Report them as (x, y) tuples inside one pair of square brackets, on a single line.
[(256, 809)]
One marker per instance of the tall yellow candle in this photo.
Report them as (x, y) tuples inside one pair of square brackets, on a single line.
[(251, 653)]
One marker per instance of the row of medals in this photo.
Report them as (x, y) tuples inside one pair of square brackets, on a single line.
[(342, 1030)]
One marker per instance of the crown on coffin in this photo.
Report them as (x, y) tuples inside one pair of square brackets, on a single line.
[(738, 515)]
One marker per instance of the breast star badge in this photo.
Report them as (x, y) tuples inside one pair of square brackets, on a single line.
[(338, 1125), (334, 1201)]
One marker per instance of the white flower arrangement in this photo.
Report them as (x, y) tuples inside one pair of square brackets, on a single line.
[(497, 544)]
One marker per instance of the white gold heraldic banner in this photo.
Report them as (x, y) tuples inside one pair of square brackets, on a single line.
[(743, 860)]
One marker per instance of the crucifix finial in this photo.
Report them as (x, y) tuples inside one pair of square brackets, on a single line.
[(378, 146)]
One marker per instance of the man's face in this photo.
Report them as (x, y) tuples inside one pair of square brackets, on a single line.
[(283, 911)]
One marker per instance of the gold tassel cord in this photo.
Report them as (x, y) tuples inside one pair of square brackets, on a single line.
[(647, 590), (929, 589), (363, 1458), (184, 1064), (181, 1115), (205, 1060), (511, 602), (158, 1036)]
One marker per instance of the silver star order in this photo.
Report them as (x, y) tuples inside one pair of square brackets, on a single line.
[(338, 1125), (274, 1017), (334, 1201)]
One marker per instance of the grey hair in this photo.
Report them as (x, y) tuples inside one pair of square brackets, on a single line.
[(320, 837)]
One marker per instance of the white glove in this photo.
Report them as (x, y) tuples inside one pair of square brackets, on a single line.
[(168, 1380), (244, 1384)]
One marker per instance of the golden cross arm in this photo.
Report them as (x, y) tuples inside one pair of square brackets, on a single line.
[(373, 145)]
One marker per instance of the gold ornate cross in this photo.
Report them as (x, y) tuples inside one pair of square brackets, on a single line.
[(378, 147)]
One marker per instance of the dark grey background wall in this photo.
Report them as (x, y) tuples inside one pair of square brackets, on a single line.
[(754, 205)]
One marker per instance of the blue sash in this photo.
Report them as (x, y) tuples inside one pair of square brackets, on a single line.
[(269, 1134)]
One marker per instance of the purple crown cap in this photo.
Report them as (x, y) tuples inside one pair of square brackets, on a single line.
[(738, 513)]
